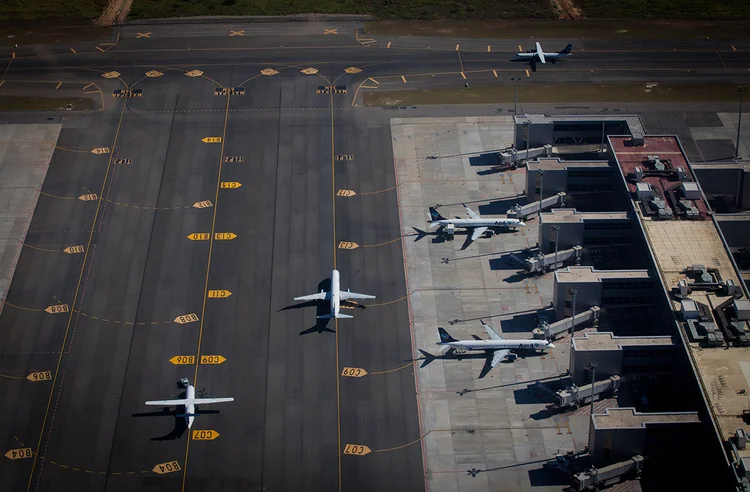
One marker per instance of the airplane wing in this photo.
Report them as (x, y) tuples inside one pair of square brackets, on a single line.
[(312, 297), (472, 214), (346, 295), (206, 401), (166, 403), (540, 53), (478, 231), (491, 333), (498, 356)]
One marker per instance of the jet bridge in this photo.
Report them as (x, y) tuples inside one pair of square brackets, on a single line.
[(551, 332), (541, 263), (512, 158), (575, 396), (523, 212), (596, 478)]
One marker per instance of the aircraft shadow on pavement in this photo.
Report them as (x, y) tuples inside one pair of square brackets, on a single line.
[(451, 356), (176, 412), (321, 309)]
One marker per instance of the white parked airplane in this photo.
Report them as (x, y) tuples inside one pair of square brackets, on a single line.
[(335, 296), (476, 225), (189, 403), (538, 55), (498, 347)]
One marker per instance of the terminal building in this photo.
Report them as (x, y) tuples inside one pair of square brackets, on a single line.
[(569, 228), (621, 433), (606, 288), (621, 356), (692, 227)]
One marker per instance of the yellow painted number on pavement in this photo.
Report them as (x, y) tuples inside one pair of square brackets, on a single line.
[(344, 157), (213, 359), (345, 193), (205, 435), (218, 294), (353, 372), (111, 75), (73, 249), (19, 453), (179, 360), (186, 318), (100, 150), (224, 236), (88, 197), (194, 73), (211, 139), (357, 449), (203, 204), (57, 309), (348, 245), (168, 467), (40, 376), (230, 184), (199, 236)]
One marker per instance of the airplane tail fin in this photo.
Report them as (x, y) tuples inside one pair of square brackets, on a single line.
[(428, 357), (435, 215), (567, 49), (420, 234), (445, 336)]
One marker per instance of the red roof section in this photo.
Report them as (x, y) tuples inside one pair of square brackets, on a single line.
[(666, 147)]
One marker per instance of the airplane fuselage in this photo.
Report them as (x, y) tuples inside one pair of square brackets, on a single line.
[(335, 293), (479, 222), (190, 407), (496, 344)]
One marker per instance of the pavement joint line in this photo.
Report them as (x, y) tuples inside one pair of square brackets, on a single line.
[(208, 272), (70, 316)]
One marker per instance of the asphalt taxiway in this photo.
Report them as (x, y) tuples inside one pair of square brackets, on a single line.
[(142, 292)]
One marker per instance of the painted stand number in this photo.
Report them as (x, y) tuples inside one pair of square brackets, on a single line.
[(57, 309), (186, 318), (213, 359), (205, 435), (225, 236), (348, 245), (218, 294), (88, 197), (179, 360), (19, 454), (40, 376), (345, 193), (199, 236), (73, 249), (203, 204), (353, 372), (169, 467), (357, 449), (211, 139), (230, 184)]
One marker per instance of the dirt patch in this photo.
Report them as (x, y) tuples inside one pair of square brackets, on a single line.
[(566, 9), (114, 13)]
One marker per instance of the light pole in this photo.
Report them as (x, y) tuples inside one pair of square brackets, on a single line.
[(528, 142), (541, 187), (572, 330), (741, 89), (515, 94), (593, 365)]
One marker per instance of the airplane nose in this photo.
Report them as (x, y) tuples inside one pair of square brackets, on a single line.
[(551, 345)]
